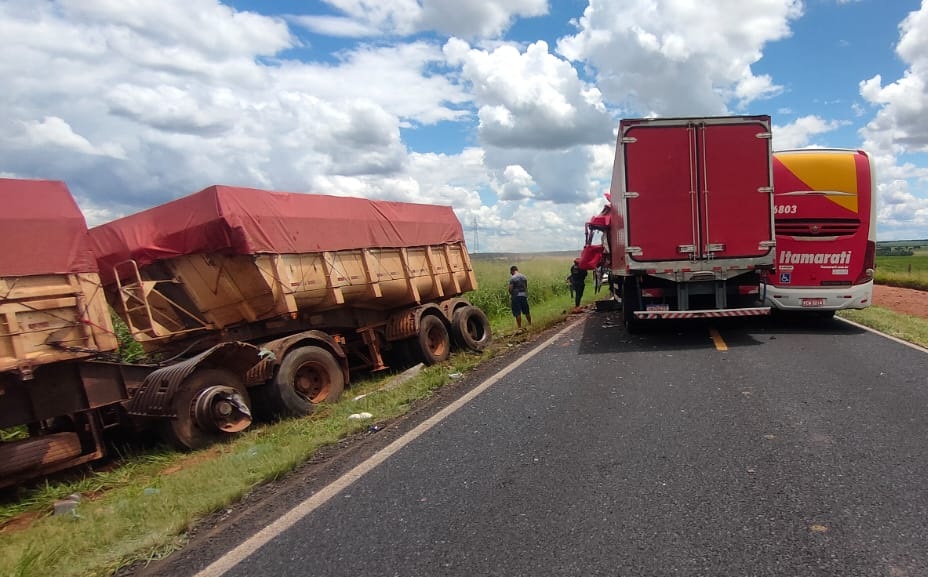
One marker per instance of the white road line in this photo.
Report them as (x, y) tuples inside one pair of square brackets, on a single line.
[(240, 553), (882, 334)]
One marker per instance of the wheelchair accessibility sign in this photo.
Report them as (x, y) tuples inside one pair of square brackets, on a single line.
[(785, 277)]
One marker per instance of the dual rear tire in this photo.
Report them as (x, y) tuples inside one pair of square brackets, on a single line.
[(307, 376), (469, 329)]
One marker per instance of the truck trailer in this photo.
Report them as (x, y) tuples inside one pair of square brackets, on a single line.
[(690, 230), (247, 302)]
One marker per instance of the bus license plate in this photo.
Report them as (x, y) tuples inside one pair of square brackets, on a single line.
[(809, 303)]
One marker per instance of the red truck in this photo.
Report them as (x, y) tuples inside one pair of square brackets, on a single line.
[(690, 225)]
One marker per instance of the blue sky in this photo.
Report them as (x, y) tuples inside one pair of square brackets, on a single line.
[(504, 109)]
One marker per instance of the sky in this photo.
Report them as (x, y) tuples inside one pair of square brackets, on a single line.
[(506, 110)]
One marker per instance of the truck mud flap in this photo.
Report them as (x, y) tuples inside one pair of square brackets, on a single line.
[(703, 314), (154, 397)]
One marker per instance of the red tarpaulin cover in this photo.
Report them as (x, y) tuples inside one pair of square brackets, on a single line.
[(42, 231), (232, 220)]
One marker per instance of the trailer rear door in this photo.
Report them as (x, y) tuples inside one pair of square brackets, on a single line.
[(660, 192), (698, 190), (735, 190)]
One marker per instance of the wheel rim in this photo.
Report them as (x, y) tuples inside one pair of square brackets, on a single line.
[(475, 329), (436, 339), (312, 382), (221, 408)]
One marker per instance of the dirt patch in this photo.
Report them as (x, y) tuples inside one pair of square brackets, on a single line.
[(901, 300)]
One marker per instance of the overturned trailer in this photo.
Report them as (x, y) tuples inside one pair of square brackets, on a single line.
[(257, 301)]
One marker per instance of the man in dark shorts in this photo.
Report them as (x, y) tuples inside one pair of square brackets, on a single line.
[(577, 280), (518, 291)]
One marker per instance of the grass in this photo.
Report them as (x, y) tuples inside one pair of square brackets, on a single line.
[(904, 271), (142, 509), (905, 327)]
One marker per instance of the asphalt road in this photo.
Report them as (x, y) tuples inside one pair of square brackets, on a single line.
[(797, 451)]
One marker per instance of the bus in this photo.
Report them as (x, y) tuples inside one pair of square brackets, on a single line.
[(825, 221)]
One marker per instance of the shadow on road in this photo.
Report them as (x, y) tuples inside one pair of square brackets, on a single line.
[(604, 332)]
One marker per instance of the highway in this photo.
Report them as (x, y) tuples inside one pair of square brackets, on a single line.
[(743, 448)]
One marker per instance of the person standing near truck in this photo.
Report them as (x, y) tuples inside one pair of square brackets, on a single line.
[(518, 294), (577, 280)]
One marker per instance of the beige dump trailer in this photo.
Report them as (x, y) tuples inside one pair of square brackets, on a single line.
[(322, 285), (246, 300), (52, 315), (59, 387)]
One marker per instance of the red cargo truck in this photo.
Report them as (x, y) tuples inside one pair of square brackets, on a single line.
[(691, 225)]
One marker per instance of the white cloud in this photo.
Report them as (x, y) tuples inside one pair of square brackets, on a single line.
[(56, 134), (801, 132), (677, 57), (517, 183), (377, 74), (899, 128), (530, 98), (362, 18), (144, 102)]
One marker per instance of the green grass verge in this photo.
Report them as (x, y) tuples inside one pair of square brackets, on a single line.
[(905, 327), (903, 271)]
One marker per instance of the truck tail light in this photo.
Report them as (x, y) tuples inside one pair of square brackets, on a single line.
[(869, 263)]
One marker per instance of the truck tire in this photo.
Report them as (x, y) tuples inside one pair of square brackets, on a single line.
[(211, 405), (307, 377), (630, 299), (433, 344), (471, 328)]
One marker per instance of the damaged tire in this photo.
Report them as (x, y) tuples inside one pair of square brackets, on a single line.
[(211, 405), (471, 328)]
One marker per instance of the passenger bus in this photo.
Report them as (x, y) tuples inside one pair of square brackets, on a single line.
[(825, 220)]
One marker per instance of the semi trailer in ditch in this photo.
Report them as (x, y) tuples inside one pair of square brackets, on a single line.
[(245, 302)]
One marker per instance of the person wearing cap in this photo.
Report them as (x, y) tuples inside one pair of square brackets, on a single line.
[(518, 294), (577, 280)]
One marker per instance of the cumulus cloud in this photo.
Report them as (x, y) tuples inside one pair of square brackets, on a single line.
[(149, 102), (363, 18), (530, 98), (801, 132), (680, 58), (898, 129)]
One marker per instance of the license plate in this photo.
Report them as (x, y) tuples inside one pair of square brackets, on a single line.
[(810, 303), (657, 307)]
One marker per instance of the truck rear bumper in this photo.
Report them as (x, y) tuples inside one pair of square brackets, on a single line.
[(702, 314), (819, 298)]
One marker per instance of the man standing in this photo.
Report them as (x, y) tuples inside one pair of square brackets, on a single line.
[(518, 293), (577, 280)]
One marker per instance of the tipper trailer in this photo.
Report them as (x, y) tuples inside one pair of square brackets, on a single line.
[(690, 229), (250, 300)]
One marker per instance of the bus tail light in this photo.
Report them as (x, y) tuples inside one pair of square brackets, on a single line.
[(869, 263), (652, 293)]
